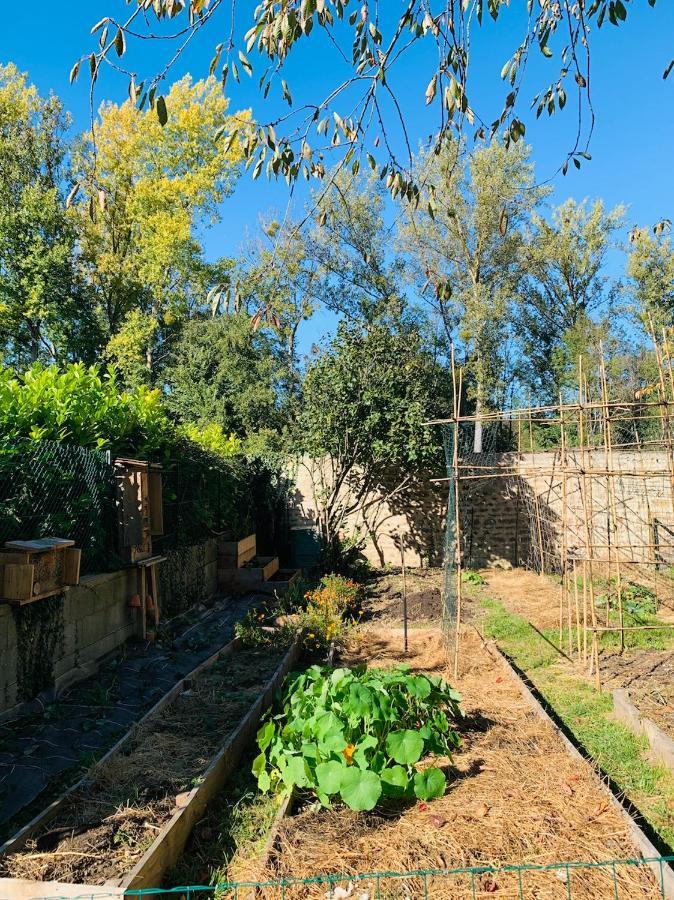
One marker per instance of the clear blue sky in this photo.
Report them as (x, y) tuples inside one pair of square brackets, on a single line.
[(632, 149)]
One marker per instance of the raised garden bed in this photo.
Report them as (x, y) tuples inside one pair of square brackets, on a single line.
[(515, 796), (130, 819)]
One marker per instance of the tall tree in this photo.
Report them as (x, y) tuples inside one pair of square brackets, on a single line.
[(464, 241), (146, 189), (221, 371), (41, 307), (650, 267), (567, 300), (365, 399)]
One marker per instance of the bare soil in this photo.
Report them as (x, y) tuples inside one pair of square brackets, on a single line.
[(515, 796), (424, 596), (107, 826)]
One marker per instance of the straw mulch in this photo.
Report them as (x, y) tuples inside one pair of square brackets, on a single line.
[(515, 796), (106, 827)]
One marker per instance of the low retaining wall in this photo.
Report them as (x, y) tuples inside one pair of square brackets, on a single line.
[(94, 621)]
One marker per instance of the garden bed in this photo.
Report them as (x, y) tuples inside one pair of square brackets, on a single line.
[(107, 825), (515, 796)]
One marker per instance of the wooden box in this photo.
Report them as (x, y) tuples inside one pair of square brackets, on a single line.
[(140, 512), (34, 570), (235, 554)]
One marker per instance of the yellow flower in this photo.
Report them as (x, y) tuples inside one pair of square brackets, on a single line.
[(348, 752)]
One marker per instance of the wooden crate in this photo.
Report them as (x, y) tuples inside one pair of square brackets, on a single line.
[(34, 570), (140, 513), (235, 554)]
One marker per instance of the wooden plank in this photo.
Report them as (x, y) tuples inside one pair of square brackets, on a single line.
[(170, 842), (22, 889), (18, 582), (156, 503), (71, 565), (40, 545)]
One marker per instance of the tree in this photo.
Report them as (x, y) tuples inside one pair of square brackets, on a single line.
[(41, 305), (363, 100), (277, 283), (352, 248), (566, 299), (465, 244), (222, 372), (365, 400), (144, 192), (650, 267)]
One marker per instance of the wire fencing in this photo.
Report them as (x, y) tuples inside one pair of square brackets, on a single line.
[(49, 488), (636, 879)]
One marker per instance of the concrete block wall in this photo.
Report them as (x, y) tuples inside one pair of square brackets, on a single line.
[(504, 519), (97, 620)]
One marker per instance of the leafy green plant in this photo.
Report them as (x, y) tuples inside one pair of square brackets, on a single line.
[(472, 577), (249, 629), (637, 599), (358, 735)]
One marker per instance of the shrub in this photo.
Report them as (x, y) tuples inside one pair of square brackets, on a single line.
[(358, 735), (334, 601)]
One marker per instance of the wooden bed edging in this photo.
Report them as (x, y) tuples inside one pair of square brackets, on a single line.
[(24, 834), (662, 871), (170, 842)]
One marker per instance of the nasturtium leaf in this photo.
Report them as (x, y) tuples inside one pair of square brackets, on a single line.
[(360, 790), (333, 742), (405, 746), (395, 781), (369, 742), (265, 735), (259, 764), (295, 771), (419, 686), (361, 700), (329, 776), (429, 784), (264, 781)]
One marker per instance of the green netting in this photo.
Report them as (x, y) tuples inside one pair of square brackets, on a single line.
[(615, 878), (49, 488)]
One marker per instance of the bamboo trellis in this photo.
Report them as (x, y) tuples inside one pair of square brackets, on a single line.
[(595, 501)]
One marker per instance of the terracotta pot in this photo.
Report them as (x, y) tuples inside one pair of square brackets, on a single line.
[(135, 601)]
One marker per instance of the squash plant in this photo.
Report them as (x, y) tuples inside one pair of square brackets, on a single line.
[(358, 734)]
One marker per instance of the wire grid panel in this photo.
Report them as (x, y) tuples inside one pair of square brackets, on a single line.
[(48, 488), (636, 879)]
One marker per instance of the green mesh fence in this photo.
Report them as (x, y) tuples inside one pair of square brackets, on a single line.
[(617, 878), (54, 489)]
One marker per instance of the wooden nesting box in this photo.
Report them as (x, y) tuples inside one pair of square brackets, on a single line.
[(139, 507), (34, 570)]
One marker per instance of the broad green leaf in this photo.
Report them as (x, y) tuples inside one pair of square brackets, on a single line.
[(360, 790), (429, 784), (405, 747), (265, 735), (395, 781), (329, 776)]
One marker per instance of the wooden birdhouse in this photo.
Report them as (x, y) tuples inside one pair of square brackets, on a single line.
[(34, 570), (139, 507)]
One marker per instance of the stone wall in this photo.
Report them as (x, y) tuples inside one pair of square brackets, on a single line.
[(506, 519), (96, 620)]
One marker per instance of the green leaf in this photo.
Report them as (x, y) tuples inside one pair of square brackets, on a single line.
[(429, 784), (329, 776), (360, 790), (405, 747), (259, 764), (265, 735), (295, 771), (395, 781), (162, 112)]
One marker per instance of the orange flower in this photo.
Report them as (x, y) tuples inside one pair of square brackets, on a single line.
[(348, 752)]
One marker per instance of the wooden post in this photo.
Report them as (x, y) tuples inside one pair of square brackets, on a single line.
[(402, 562)]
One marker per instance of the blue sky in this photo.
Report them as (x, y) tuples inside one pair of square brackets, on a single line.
[(632, 148)]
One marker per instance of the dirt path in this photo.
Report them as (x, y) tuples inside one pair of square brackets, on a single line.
[(516, 797)]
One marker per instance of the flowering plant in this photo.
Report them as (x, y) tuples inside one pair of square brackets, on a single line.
[(334, 601), (357, 735)]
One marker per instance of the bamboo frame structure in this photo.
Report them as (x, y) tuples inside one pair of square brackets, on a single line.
[(596, 503)]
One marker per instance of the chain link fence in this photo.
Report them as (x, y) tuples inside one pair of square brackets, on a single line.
[(54, 489)]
